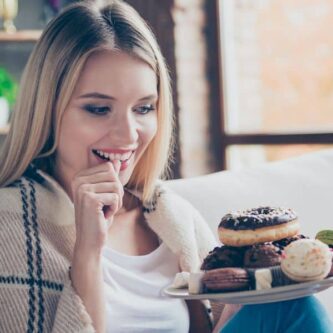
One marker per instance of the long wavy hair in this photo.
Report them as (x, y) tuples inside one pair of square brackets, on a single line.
[(50, 77)]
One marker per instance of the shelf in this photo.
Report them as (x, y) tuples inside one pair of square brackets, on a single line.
[(4, 130), (20, 36)]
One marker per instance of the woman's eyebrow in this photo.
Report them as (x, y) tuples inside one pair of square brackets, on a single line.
[(104, 96), (96, 95), (149, 97)]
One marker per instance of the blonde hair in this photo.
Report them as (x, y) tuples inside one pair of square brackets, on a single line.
[(51, 75)]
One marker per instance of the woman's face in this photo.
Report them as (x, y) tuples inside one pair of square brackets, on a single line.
[(111, 116)]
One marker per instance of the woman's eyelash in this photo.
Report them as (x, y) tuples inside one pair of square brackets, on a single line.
[(145, 109), (98, 110), (102, 110)]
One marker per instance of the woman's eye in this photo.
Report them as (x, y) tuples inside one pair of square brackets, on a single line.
[(145, 109), (98, 110)]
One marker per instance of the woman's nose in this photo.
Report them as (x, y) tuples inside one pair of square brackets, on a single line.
[(125, 128)]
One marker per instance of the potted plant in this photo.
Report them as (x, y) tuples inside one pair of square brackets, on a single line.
[(8, 91)]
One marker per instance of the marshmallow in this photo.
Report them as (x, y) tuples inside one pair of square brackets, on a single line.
[(195, 285)]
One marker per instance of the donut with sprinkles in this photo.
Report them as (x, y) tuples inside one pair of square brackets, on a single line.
[(258, 225)]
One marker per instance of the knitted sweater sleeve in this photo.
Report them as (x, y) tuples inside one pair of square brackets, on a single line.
[(27, 301), (35, 289)]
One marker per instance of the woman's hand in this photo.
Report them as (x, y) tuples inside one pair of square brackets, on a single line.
[(97, 194)]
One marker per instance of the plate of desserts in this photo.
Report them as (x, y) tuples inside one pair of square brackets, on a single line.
[(263, 259), (256, 296)]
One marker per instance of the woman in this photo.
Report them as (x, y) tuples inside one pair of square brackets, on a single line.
[(89, 138), (89, 237)]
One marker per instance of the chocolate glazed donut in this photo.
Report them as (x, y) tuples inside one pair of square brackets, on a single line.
[(257, 225)]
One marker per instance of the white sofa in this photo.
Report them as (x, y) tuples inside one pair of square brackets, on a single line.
[(304, 184)]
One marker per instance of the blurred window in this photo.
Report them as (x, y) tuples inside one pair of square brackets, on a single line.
[(277, 73)]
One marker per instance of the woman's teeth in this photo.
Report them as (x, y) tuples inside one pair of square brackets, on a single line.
[(112, 157)]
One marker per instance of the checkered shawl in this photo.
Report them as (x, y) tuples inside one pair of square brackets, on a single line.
[(37, 235)]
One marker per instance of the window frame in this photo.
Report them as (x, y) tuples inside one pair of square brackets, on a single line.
[(221, 138)]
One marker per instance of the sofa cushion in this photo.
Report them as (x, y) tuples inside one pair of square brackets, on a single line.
[(304, 184)]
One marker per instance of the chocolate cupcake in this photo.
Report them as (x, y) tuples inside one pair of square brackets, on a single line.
[(282, 243), (262, 255), (224, 256)]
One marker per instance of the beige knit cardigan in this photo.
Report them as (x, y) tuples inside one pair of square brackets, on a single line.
[(37, 235)]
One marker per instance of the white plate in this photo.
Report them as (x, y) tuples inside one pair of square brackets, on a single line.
[(257, 296)]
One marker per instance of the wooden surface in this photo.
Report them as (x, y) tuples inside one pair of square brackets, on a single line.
[(277, 139), (20, 36)]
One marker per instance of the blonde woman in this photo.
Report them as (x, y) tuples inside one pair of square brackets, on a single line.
[(88, 236)]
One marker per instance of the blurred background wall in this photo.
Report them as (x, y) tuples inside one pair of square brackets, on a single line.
[(252, 79)]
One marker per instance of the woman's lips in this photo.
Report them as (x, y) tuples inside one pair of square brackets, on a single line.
[(123, 164), (121, 155)]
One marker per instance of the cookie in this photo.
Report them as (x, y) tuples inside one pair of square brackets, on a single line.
[(325, 236), (306, 260), (226, 279)]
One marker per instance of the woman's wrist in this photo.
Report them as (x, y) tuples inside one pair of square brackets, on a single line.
[(87, 280), (83, 252), (86, 267)]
